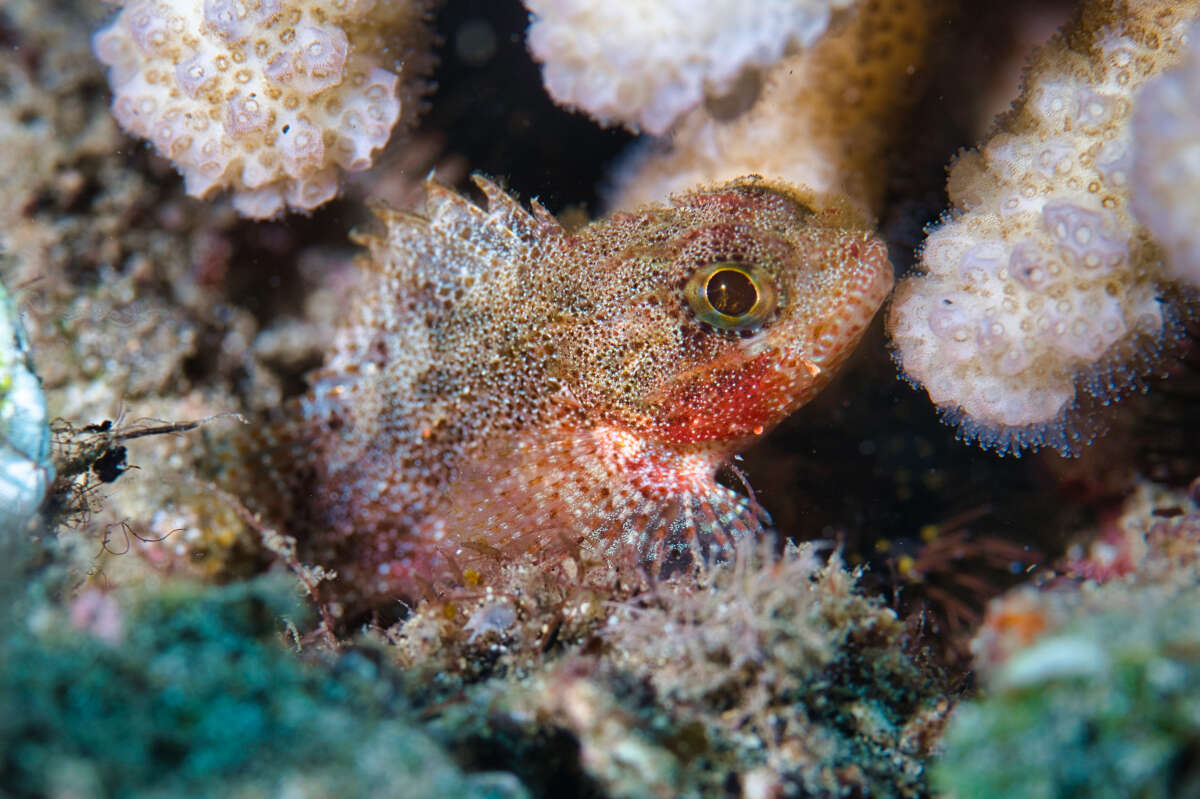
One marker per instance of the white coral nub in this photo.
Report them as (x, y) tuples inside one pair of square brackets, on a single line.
[(644, 64), (1166, 162), (1042, 282), (264, 97)]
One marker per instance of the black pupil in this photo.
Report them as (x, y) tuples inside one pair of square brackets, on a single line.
[(731, 292)]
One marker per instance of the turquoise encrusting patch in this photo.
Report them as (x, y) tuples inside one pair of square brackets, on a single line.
[(197, 696), (25, 467)]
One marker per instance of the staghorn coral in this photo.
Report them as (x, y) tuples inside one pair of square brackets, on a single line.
[(511, 388), (645, 64), (823, 119), (269, 97), (1165, 180), (1041, 284)]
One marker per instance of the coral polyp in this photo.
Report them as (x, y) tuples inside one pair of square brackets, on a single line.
[(502, 450)]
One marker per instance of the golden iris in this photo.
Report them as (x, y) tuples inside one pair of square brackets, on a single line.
[(731, 296)]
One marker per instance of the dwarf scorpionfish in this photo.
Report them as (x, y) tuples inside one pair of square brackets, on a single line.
[(507, 388)]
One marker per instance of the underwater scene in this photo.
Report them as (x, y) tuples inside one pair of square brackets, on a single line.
[(599, 398)]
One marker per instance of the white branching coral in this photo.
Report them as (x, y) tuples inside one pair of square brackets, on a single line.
[(1042, 283), (1166, 162), (264, 97), (821, 119), (643, 64)]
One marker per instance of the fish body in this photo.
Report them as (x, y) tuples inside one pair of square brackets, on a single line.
[(507, 388)]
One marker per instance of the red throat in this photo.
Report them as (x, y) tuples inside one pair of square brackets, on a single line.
[(731, 404)]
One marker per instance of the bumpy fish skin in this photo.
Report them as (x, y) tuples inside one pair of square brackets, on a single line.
[(507, 388)]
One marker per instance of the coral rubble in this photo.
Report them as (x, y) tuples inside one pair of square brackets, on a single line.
[(1042, 285), (188, 691), (645, 64), (1105, 708), (767, 676), (122, 284), (529, 561), (267, 98), (814, 687)]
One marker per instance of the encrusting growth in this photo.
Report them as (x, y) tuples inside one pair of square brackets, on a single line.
[(265, 97), (509, 389), (1089, 685), (25, 465), (1042, 283)]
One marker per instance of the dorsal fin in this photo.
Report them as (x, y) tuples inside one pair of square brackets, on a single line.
[(454, 237), (543, 217)]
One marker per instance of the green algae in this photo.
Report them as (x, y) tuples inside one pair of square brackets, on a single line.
[(1107, 708), (195, 695)]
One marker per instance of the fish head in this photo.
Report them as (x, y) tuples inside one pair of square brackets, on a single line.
[(703, 325)]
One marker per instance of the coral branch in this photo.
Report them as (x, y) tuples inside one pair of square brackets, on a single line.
[(1041, 283), (1166, 163), (266, 97), (822, 118), (645, 64)]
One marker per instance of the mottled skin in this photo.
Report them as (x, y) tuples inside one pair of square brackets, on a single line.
[(510, 389)]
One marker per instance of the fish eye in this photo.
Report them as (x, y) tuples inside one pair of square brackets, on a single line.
[(731, 296)]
